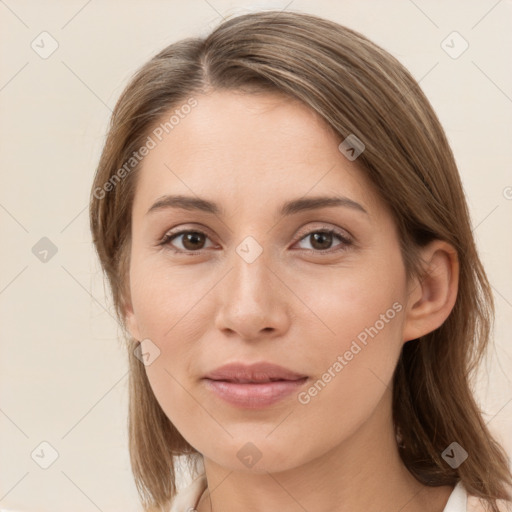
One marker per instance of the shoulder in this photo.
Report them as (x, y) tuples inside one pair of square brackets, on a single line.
[(461, 501), (476, 504)]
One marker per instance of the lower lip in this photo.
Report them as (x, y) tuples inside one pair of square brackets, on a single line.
[(254, 395)]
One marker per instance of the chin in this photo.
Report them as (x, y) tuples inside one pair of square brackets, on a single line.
[(258, 456)]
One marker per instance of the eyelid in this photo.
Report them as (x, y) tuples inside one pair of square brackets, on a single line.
[(185, 228), (342, 234), (165, 240)]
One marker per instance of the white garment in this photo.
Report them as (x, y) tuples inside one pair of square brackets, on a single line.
[(188, 498), (458, 500)]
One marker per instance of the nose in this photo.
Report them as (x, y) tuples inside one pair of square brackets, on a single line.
[(253, 302)]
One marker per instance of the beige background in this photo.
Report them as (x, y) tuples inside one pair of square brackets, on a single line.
[(63, 375)]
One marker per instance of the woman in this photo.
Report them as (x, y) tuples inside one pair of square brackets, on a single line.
[(284, 230)]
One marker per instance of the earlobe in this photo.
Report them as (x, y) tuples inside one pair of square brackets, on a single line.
[(131, 321), (432, 296)]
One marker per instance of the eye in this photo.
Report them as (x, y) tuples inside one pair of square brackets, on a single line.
[(321, 240), (192, 241)]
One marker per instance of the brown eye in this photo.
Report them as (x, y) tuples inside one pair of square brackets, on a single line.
[(192, 241), (322, 240)]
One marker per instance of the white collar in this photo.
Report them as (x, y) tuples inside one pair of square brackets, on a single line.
[(188, 498)]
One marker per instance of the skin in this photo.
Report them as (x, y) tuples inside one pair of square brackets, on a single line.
[(292, 306)]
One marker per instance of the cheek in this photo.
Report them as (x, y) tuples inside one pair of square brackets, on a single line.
[(173, 311), (175, 396), (166, 297), (345, 304), (354, 331)]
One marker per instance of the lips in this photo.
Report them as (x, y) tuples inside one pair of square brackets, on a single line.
[(254, 386), (253, 373)]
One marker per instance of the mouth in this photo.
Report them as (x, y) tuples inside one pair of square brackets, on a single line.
[(253, 386), (253, 373), (250, 394), (257, 381)]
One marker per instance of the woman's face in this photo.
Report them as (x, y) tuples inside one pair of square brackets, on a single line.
[(251, 283)]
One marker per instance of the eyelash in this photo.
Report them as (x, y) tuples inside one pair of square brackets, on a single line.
[(346, 242)]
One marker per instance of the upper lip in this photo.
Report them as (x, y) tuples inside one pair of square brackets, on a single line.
[(257, 372)]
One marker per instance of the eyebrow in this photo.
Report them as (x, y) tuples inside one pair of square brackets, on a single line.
[(288, 208)]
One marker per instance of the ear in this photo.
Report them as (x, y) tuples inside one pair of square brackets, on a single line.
[(432, 296), (131, 320)]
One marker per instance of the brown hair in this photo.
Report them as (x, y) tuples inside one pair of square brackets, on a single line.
[(357, 88)]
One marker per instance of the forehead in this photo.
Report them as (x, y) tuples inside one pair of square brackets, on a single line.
[(253, 148)]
